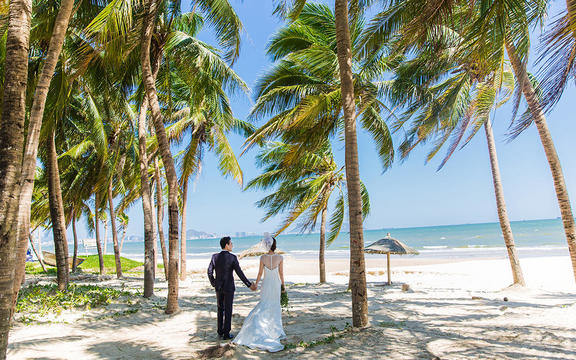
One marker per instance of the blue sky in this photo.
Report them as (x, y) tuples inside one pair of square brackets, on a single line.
[(411, 193)]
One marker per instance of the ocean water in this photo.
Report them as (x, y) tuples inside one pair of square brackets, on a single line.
[(533, 238)]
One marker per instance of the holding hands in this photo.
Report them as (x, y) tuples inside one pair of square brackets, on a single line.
[(254, 286)]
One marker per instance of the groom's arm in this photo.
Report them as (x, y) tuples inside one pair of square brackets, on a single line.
[(211, 271), (240, 274)]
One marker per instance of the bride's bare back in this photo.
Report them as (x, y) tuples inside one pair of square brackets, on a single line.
[(271, 261)]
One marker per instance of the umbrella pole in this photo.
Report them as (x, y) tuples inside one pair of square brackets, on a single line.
[(388, 265)]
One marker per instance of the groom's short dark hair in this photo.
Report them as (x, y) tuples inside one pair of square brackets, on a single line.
[(224, 241)]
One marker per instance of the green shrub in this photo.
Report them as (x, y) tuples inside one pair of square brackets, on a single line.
[(45, 299)]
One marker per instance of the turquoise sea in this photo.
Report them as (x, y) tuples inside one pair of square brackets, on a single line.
[(533, 238)]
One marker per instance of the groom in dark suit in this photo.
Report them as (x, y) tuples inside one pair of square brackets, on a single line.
[(224, 262)]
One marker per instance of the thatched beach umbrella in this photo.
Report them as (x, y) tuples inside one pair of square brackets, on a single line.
[(388, 246), (256, 250)]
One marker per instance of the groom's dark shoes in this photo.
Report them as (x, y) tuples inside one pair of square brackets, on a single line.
[(226, 337)]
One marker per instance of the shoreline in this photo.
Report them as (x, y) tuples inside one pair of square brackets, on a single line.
[(441, 254)]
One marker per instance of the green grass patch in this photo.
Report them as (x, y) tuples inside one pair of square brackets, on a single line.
[(34, 268), (91, 264), (45, 299)]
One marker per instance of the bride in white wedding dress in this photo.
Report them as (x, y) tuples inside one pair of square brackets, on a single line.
[(262, 328)]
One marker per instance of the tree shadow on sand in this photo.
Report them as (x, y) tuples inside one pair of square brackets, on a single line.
[(128, 350)]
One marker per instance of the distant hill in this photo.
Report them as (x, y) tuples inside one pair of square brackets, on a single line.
[(195, 234), (134, 238)]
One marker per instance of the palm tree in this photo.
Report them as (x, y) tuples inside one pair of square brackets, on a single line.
[(495, 29), (116, 22), (34, 126), (447, 94), (305, 92), (357, 265), (149, 233), (11, 148), (57, 212), (160, 215), (539, 119), (558, 59), (97, 206), (151, 8), (193, 85), (303, 187)]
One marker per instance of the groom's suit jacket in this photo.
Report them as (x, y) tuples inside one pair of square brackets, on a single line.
[(224, 263)]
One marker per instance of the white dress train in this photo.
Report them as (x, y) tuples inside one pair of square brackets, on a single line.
[(262, 328)]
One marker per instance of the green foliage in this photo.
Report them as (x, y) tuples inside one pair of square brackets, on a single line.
[(91, 264), (303, 183), (299, 96), (45, 299)]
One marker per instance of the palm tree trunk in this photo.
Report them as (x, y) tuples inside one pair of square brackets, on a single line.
[(11, 148), (550, 151), (105, 237), (97, 228), (123, 238), (34, 125), (75, 242), (160, 216), (36, 253), (114, 233), (357, 264), (167, 159), (57, 214), (149, 235), (183, 232), (321, 253), (501, 205)]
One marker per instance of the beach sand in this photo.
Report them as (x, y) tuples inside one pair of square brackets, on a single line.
[(452, 310)]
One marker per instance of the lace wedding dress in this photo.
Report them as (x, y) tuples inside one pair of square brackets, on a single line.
[(262, 328)]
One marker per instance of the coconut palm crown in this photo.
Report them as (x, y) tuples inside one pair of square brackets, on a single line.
[(301, 96)]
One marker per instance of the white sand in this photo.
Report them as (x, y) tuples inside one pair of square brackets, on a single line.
[(453, 310)]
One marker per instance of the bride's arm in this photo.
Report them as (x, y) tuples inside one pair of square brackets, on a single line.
[(281, 272), (260, 272)]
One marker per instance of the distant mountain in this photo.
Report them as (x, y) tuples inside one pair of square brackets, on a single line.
[(195, 234), (134, 238)]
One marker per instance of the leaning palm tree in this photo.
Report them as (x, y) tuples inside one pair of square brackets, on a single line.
[(193, 86), (304, 95), (495, 28), (11, 149), (303, 187), (447, 94), (57, 38), (117, 20)]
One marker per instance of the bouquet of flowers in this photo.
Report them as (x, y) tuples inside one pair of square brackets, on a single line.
[(284, 298)]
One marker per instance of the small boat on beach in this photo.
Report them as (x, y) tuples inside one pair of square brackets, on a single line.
[(50, 259)]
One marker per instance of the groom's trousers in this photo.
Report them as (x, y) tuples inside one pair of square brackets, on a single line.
[(224, 300)]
